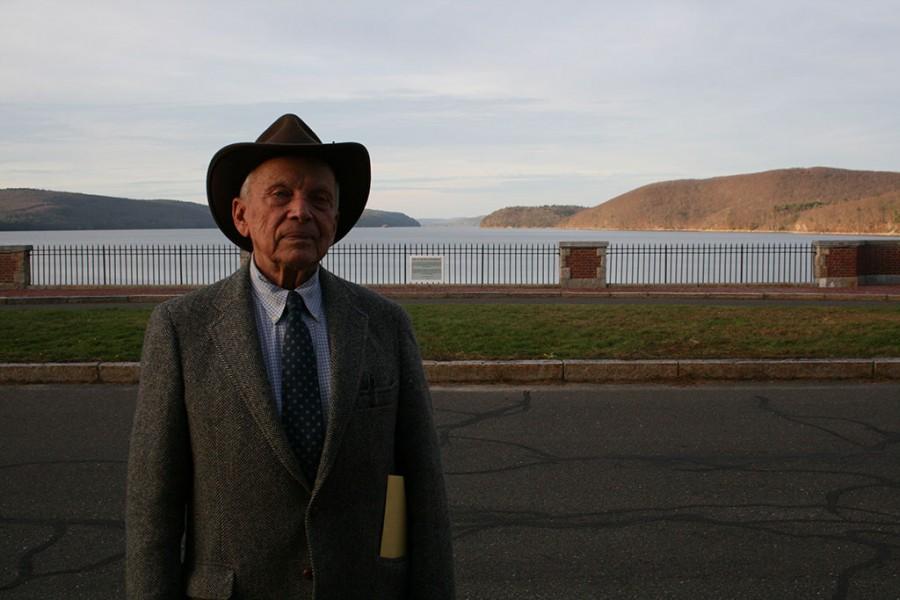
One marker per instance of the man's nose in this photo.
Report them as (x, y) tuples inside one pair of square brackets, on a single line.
[(299, 206)]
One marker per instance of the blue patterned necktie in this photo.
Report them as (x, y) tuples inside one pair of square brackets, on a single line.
[(301, 402)]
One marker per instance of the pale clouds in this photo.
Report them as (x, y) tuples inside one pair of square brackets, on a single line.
[(465, 107)]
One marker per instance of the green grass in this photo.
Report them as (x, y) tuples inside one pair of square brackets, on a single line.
[(71, 335), (521, 331)]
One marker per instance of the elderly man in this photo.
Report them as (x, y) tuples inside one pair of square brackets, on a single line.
[(283, 443)]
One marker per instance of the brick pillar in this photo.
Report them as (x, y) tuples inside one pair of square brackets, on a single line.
[(15, 267), (879, 262), (837, 263), (582, 264)]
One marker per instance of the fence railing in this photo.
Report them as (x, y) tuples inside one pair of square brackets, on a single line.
[(132, 265), (656, 264), (460, 264), (368, 264)]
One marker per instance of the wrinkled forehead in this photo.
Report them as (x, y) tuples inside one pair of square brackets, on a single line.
[(295, 169)]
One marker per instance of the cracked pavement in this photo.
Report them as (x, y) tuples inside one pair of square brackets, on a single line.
[(751, 490), (739, 491)]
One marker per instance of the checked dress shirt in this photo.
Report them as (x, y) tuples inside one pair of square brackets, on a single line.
[(270, 302)]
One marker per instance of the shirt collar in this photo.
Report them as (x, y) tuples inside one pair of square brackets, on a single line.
[(273, 297)]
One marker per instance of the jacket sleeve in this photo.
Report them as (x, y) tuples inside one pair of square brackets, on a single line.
[(159, 469), (429, 537)]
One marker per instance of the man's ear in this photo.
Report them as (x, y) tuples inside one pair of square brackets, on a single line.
[(238, 214)]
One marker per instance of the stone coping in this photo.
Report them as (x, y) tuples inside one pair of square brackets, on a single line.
[(479, 372), (591, 244)]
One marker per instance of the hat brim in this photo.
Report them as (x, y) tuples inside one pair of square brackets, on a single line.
[(231, 165)]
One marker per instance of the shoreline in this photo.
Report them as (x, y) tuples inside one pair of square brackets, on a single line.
[(741, 231)]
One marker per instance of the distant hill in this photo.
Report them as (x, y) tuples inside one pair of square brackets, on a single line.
[(384, 218), (452, 222), (29, 210), (530, 216), (819, 199)]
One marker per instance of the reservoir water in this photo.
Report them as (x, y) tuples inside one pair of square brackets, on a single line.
[(421, 235), (467, 255)]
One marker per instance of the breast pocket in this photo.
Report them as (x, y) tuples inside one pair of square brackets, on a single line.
[(375, 393)]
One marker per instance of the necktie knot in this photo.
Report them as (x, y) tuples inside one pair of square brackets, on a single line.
[(295, 304)]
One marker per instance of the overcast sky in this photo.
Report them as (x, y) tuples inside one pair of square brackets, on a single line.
[(465, 107)]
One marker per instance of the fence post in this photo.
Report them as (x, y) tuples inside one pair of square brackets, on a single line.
[(481, 270), (666, 263), (15, 267), (853, 263), (582, 264), (837, 263), (879, 262)]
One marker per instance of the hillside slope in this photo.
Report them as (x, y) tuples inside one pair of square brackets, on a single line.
[(385, 218), (27, 209), (529, 216), (24, 209), (818, 199)]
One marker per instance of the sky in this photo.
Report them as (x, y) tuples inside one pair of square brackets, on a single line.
[(465, 107)]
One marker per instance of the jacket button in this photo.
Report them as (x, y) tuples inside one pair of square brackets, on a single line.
[(307, 573)]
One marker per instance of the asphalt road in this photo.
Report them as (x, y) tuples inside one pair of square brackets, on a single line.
[(746, 491)]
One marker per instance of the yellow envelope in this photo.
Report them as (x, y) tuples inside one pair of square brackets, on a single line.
[(393, 533)]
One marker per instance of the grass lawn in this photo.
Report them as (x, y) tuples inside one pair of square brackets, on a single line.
[(521, 331), (71, 335), (633, 331)]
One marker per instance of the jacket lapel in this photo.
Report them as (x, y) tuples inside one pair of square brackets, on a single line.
[(234, 333), (347, 331)]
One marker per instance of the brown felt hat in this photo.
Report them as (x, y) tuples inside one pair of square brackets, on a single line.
[(289, 135)]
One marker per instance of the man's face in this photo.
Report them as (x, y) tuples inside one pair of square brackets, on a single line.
[(288, 209)]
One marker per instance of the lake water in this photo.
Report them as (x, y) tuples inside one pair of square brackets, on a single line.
[(468, 255), (421, 235)]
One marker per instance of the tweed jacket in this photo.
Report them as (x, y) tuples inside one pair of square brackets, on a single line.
[(217, 505)]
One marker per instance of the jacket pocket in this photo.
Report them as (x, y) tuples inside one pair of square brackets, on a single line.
[(392, 578), (210, 581), (374, 394)]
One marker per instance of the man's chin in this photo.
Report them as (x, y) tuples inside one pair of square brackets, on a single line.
[(300, 259)]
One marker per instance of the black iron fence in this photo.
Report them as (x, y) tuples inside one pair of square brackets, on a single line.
[(454, 264), (661, 264), (132, 265), (368, 264)]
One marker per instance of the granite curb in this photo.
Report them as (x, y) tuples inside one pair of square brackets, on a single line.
[(51, 300), (480, 372)]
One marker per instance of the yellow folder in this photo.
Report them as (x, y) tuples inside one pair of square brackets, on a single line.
[(393, 533)]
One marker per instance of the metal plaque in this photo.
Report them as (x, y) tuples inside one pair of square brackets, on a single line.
[(426, 269)]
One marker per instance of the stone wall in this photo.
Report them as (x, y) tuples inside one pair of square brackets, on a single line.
[(582, 264), (879, 263), (853, 263), (15, 267)]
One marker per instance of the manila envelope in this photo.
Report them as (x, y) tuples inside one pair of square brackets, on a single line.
[(393, 533)]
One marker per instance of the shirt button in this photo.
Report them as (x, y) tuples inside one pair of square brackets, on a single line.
[(307, 573)]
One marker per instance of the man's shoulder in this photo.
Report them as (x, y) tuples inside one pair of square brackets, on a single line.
[(199, 302), (359, 296)]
